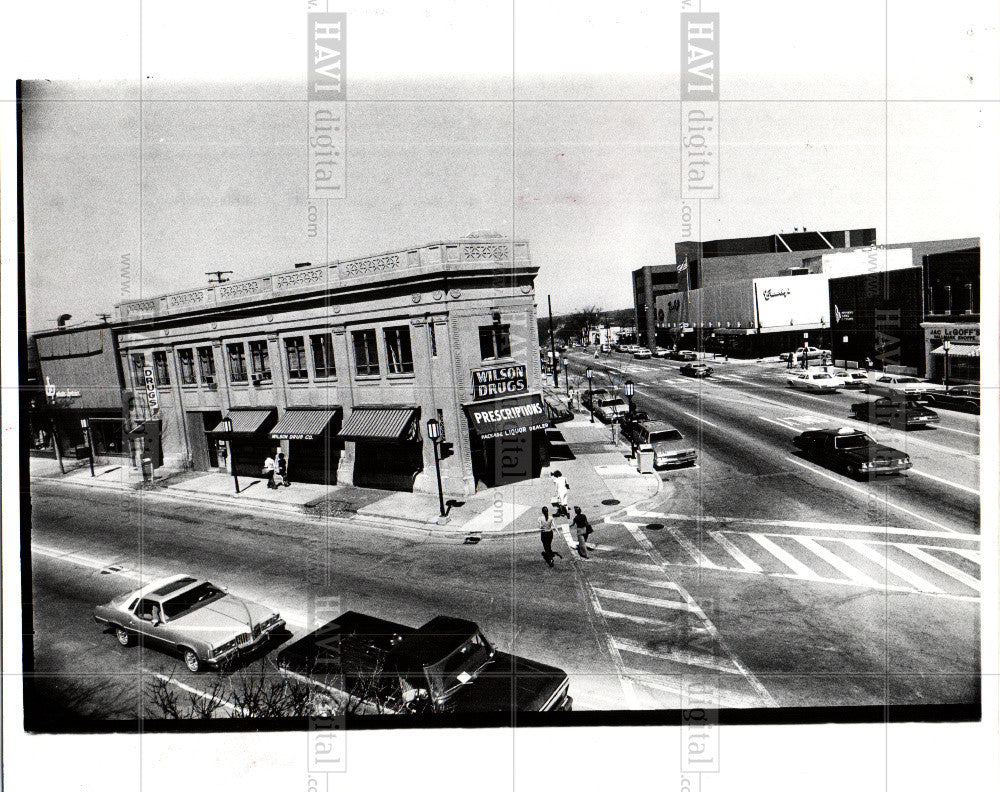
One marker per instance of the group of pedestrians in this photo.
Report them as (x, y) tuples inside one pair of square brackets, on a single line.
[(276, 470), (578, 520)]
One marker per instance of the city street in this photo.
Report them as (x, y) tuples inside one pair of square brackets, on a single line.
[(779, 582)]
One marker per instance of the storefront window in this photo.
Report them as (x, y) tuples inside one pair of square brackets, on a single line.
[(365, 353), (494, 341), (398, 350), (138, 364), (186, 359), (434, 339), (206, 362), (322, 347), (259, 362), (237, 363), (295, 354)]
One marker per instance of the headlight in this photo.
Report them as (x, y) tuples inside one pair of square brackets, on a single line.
[(866, 465)]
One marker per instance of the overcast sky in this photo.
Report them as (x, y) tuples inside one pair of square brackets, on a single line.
[(584, 164)]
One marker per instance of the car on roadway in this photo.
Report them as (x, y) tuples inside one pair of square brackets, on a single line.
[(900, 385), (852, 452), (661, 352), (853, 380), (964, 398), (668, 445), (683, 354), (610, 409), (206, 625), (696, 370), (811, 353), (641, 353), (894, 412), (815, 381)]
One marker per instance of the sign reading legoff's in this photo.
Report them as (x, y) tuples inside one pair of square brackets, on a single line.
[(489, 383), (959, 333), (152, 398)]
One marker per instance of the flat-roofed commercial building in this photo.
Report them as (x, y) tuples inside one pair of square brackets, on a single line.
[(341, 365), (648, 285)]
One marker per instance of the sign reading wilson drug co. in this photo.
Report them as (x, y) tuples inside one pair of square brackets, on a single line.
[(492, 383)]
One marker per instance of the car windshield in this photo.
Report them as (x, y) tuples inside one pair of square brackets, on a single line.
[(853, 441), (822, 376), (669, 436), (907, 380), (612, 403), (191, 600), (460, 666)]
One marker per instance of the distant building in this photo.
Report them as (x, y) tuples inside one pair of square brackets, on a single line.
[(648, 284)]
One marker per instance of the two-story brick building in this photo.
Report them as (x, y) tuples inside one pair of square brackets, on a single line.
[(341, 365)]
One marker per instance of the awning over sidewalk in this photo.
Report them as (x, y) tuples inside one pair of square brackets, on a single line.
[(959, 350), (381, 424), (245, 422), (555, 412), (507, 417), (303, 424)]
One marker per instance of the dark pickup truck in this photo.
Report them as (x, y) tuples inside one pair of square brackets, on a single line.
[(447, 665), (851, 451)]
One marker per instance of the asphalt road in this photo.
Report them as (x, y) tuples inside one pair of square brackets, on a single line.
[(756, 575)]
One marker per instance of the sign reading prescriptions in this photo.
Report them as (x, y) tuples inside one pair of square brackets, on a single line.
[(792, 301), (491, 383), (152, 397), (507, 417)]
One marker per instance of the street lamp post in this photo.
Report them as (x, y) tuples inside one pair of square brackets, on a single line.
[(566, 375), (434, 433), (590, 392), (630, 392), (946, 344), (232, 462), (805, 349)]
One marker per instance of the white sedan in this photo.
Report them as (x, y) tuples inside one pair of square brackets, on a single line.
[(816, 381)]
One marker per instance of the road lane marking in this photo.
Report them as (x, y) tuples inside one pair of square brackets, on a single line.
[(677, 656), (868, 494), (741, 558), (891, 566), (786, 558), (838, 563), (941, 566), (939, 428), (699, 557), (699, 418), (973, 555), (637, 599), (947, 483), (643, 620), (193, 690)]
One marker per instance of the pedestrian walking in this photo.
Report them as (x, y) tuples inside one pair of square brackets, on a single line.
[(581, 526), (546, 528), (562, 494), (792, 359), (868, 364), (281, 468), (269, 471)]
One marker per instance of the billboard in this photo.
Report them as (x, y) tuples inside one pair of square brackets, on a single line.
[(789, 301)]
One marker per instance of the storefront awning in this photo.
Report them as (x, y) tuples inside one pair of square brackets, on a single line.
[(245, 422), (507, 417), (555, 412), (381, 424), (959, 350), (302, 424)]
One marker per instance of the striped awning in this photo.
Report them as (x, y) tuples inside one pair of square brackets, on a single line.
[(381, 423), (556, 412), (244, 422), (959, 350), (303, 424)]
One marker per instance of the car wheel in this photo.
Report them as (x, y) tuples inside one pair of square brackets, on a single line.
[(192, 661), (124, 636)]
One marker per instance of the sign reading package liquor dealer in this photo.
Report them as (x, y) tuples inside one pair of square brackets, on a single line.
[(490, 383)]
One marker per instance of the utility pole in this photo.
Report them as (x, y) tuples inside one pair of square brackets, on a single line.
[(552, 345)]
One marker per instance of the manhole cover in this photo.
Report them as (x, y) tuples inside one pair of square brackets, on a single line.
[(654, 527), (610, 502), (472, 540)]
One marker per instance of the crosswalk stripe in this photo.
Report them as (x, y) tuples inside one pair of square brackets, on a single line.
[(638, 599), (941, 566), (891, 566), (838, 563), (677, 656), (609, 614), (741, 558), (785, 557), (699, 557), (972, 555), (633, 566)]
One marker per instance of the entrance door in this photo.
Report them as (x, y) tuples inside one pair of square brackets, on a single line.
[(314, 461), (391, 466), (504, 460)]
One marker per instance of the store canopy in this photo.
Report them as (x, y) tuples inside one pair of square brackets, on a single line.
[(555, 412), (507, 417), (381, 424), (303, 424), (959, 350), (245, 422)]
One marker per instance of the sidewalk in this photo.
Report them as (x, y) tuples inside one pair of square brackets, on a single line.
[(601, 479)]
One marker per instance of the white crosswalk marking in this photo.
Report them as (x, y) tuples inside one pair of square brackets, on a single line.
[(972, 555), (785, 557), (699, 557), (891, 566), (741, 558), (640, 600), (941, 566), (838, 563), (646, 620), (723, 664)]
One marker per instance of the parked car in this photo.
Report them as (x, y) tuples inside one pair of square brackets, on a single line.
[(661, 352), (900, 385), (669, 447), (596, 395), (894, 412), (683, 354), (853, 380), (610, 409), (964, 398), (696, 370), (641, 353), (447, 665), (812, 353), (851, 452), (203, 623), (815, 381)]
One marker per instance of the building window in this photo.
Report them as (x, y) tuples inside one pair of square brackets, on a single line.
[(138, 364), (260, 364), (237, 362), (160, 370), (295, 355), (434, 338), (398, 350), (494, 341), (206, 363), (323, 362), (186, 359), (365, 353)]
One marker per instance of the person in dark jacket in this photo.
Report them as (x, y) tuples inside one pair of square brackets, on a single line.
[(281, 468)]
